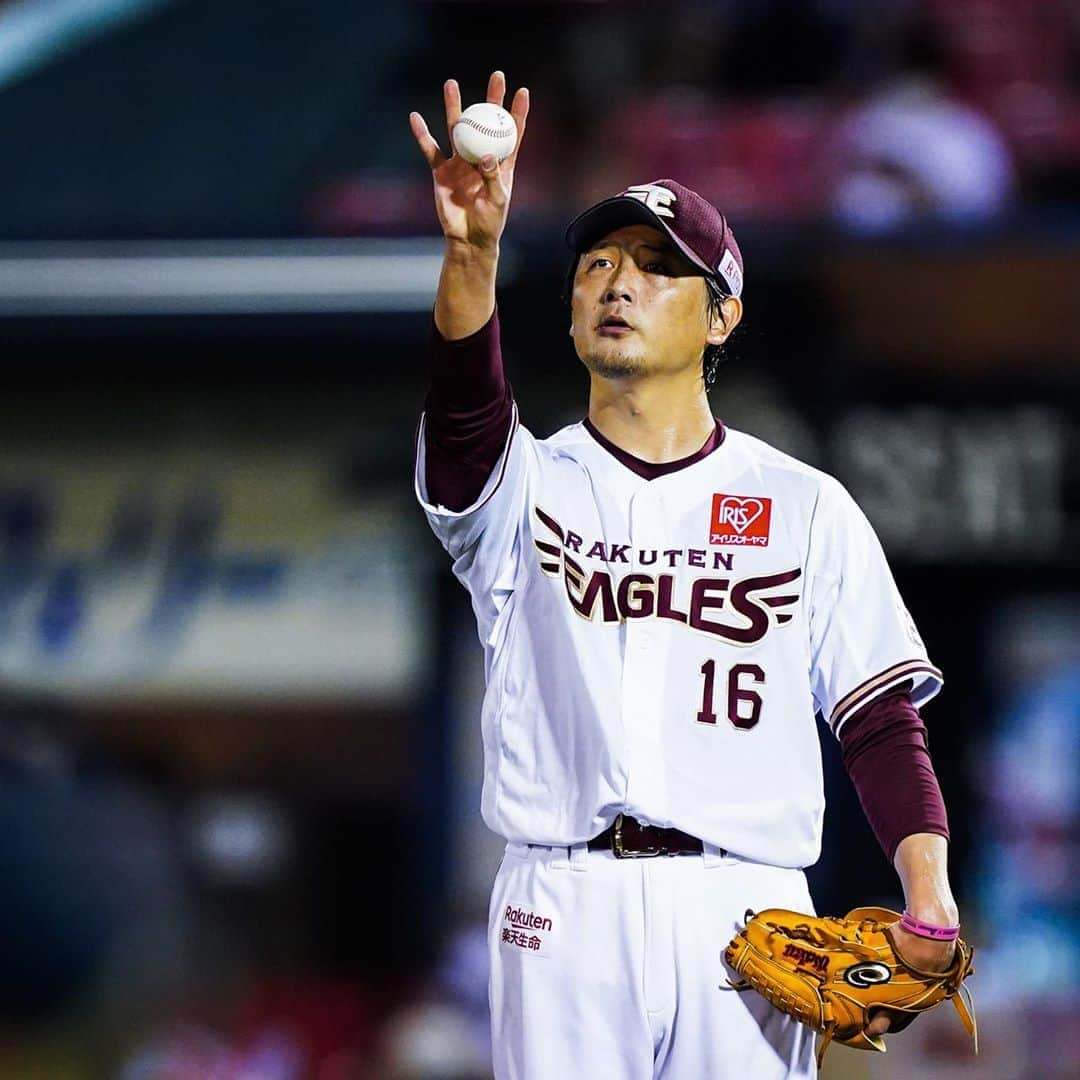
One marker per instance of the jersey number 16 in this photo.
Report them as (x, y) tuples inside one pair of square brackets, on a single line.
[(743, 704)]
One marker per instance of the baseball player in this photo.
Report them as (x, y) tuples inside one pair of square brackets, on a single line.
[(664, 603)]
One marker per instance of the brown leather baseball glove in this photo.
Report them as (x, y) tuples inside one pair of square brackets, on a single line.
[(834, 974)]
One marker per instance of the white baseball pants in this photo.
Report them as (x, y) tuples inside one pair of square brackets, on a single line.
[(612, 969)]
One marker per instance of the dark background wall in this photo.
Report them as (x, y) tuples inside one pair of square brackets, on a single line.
[(237, 682)]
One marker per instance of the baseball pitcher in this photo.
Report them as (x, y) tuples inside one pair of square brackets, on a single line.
[(664, 604)]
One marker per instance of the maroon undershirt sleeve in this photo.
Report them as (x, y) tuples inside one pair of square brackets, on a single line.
[(885, 753), (468, 412)]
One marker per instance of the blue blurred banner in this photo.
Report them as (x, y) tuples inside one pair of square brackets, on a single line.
[(190, 574)]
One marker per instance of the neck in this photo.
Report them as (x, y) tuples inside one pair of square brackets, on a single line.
[(655, 420)]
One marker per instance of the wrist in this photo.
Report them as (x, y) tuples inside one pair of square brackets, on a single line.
[(937, 911), (931, 931), (469, 253)]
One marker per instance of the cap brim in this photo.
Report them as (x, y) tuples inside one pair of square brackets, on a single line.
[(616, 213)]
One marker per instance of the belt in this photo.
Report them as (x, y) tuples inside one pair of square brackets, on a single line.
[(627, 838)]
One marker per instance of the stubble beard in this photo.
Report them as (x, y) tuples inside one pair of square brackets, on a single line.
[(618, 364)]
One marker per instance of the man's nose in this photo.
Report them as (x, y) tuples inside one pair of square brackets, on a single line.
[(619, 288)]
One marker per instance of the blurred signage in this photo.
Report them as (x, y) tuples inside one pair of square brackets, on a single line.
[(939, 484), (204, 575)]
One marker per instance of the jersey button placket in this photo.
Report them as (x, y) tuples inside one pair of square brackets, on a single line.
[(642, 683)]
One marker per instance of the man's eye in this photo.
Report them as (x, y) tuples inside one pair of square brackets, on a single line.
[(600, 259), (656, 268)]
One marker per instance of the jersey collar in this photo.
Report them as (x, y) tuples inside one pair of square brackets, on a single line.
[(650, 470)]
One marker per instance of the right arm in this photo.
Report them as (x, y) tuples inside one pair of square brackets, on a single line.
[(469, 409), (472, 203)]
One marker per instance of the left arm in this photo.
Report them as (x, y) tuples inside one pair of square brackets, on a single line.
[(884, 750), (920, 861), (885, 753)]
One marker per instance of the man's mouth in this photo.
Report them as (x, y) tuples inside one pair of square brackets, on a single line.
[(613, 326)]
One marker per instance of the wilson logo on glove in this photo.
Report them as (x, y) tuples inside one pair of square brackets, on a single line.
[(807, 958)]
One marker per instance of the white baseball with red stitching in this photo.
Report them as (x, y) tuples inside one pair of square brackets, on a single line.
[(484, 129)]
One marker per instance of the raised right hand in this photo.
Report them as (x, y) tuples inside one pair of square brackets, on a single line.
[(472, 201)]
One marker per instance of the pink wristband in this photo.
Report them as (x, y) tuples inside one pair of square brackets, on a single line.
[(915, 926)]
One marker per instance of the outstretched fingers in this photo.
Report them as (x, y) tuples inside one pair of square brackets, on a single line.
[(519, 110), (452, 101), (496, 93), (424, 139)]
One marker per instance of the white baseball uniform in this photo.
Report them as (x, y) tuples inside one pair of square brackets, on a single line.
[(659, 648)]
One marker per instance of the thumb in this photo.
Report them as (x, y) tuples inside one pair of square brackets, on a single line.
[(878, 1025), (489, 170)]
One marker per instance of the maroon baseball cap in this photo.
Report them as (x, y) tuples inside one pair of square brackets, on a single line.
[(697, 228)]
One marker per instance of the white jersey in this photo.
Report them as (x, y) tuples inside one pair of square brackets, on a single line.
[(660, 647)]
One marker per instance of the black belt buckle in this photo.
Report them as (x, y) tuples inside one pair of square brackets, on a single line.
[(621, 852)]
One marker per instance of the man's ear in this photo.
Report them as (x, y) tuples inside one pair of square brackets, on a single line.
[(723, 321)]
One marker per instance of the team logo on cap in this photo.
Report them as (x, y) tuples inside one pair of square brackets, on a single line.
[(740, 520), (658, 199)]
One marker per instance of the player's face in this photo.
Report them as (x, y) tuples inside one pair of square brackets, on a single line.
[(639, 306)]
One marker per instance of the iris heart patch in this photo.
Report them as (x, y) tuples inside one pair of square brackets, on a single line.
[(740, 520)]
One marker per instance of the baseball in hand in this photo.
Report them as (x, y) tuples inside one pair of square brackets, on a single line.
[(484, 129)]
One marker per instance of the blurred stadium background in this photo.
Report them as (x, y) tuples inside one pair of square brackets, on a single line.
[(239, 829)]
